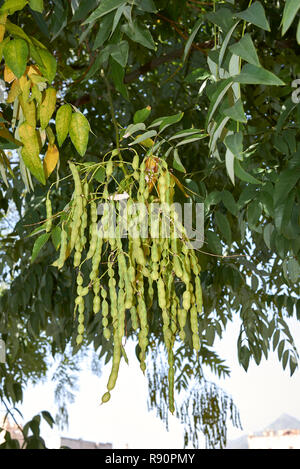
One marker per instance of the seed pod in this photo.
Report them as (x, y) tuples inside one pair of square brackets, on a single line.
[(198, 294), (63, 249), (182, 316), (93, 230), (186, 300), (109, 169), (105, 397), (135, 162), (161, 293), (48, 214), (116, 363), (134, 318)]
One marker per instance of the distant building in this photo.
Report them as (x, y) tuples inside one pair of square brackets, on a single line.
[(282, 439), (284, 433), (13, 429), (82, 444)]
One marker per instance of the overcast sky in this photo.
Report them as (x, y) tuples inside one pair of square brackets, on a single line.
[(262, 395)]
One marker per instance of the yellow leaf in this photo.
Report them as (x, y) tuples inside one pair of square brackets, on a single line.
[(8, 136), (29, 111), (148, 143), (9, 76), (32, 70), (47, 107), (14, 92), (28, 137), (23, 82), (51, 159), (31, 151)]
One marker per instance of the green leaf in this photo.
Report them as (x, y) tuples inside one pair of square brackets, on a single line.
[(39, 243), (164, 122), (246, 50), (213, 242), (117, 73), (48, 417), (58, 19), (224, 226), (252, 75), (225, 43), (47, 107), (244, 357), (298, 32), (133, 128), (11, 6), (290, 11), (177, 162), (253, 213), (234, 142), (222, 17), (141, 115), (191, 38), (276, 338), (267, 234), (106, 6), (146, 5), (236, 112), (79, 132), (229, 163), (120, 53), (286, 182), (256, 15), (293, 270), (229, 202), (62, 123), (37, 5), (34, 164), (243, 175), (142, 137), (56, 237), (191, 139), (140, 34), (219, 93), (15, 55), (280, 349), (47, 64), (104, 30), (185, 133), (293, 365)]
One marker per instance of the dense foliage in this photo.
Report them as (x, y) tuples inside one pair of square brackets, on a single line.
[(209, 87)]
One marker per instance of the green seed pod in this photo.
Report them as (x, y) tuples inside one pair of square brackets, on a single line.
[(109, 169), (198, 294), (80, 329), (186, 300), (134, 318), (161, 294), (63, 249), (135, 162), (79, 339), (48, 214), (105, 397), (79, 279), (182, 317), (96, 304)]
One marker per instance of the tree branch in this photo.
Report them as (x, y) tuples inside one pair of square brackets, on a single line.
[(157, 61)]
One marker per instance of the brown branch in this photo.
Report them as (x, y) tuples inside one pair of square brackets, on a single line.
[(165, 58)]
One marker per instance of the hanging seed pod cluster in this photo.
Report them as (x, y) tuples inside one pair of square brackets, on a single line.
[(127, 274)]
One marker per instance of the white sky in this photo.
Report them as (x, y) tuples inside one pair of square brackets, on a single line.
[(262, 395)]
